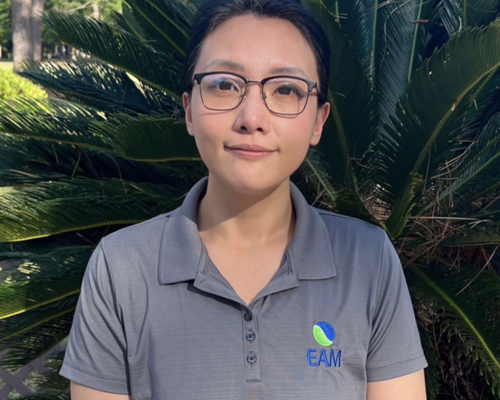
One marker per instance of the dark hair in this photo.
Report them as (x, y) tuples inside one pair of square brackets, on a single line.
[(214, 13)]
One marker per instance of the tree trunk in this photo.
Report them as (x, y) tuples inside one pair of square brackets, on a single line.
[(21, 31), (95, 10), (36, 28)]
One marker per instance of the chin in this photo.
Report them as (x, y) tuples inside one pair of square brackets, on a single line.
[(251, 185)]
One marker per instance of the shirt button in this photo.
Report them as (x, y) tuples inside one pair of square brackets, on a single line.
[(252, 357), (250, 336), (248, 316)]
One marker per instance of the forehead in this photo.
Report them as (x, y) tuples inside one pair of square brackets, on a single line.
[(256, 47)]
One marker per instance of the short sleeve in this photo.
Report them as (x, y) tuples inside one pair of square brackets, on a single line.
[(395, 349), (96, 355)]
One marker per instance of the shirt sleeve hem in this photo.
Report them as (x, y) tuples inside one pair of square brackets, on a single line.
[(396, 370), (93, 382)]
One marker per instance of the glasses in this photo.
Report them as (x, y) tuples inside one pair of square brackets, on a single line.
[(284, 95)]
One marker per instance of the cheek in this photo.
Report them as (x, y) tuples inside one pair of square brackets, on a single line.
[(208, 134), (299, 134)]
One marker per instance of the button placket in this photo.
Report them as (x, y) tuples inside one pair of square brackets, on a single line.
[(250, 346)]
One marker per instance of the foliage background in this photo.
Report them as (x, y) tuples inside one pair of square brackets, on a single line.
[(412, 145)]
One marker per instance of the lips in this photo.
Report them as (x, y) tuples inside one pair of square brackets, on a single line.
[(250, 147), (249, 151)]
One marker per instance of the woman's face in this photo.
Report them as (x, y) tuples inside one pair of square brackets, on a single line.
[(255, 48)]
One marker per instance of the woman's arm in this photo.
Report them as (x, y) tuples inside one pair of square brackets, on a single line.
[(79, 392), (407, 387)]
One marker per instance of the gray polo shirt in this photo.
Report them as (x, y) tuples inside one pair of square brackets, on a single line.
[(157, 320)]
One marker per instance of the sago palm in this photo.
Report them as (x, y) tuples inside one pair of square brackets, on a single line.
[(412, 145)]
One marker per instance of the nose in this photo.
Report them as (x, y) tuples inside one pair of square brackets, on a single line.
[(252, 114)]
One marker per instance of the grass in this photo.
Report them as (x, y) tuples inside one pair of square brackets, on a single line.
[(5, 190), (6, 65)]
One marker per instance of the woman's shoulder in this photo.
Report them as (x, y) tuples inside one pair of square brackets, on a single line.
[(140, 232), (351, 227)]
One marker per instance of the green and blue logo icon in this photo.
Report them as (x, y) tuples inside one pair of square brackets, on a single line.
[(324, 333)]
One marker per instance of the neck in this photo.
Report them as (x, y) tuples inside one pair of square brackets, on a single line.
[(240, 218)]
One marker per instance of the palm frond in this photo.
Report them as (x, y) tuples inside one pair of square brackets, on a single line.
[(47, 396), (485, 104), (25, 161), (470, 302), (479, 170), (53, 120), (457, 15), (398, 218), (51, 208), (483, 235), (120, 49), (349, 134), (166, 24), (15, 326), (400, 46), (388, 42), (98, 85), (37, 342), (48, 280), (432, 370), (162, 138), (357, 19), (315, 170), (127, 22), (51, 379), (434, 102), (481, 12), (452, 16)]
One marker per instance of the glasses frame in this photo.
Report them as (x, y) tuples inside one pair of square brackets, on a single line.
[(310, 86)]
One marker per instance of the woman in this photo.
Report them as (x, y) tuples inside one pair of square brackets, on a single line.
[(245, 291)]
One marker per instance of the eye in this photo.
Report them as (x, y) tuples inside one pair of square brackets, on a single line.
[(288, 90), (224, 84)]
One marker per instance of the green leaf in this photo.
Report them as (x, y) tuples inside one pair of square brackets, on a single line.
[(478, 236), (399, 217), (16, 326), (97, 85), (349, 133), (457, 14), (162, 138), (40, 280), (432, 107), (166, 23), (432, 370), (37, 342), (120, 49), (387, 41), (315, 170), (53, 120), (471, 311), (128, 23), (51, 208), (25, 161), (479, 168)]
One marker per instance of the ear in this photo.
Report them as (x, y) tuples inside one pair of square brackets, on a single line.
[(321, 117), (186, 102)]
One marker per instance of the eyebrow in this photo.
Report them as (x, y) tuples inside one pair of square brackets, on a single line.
[(238, 67)]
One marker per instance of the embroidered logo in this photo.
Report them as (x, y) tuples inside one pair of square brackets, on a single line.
[(324, 333)]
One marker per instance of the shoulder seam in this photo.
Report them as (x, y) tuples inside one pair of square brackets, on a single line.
[(335, 215), (150, 220)]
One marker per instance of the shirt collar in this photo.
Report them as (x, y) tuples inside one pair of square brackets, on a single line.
[(182, 253)]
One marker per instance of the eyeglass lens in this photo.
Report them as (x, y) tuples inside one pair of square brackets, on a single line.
[(282, 95)]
